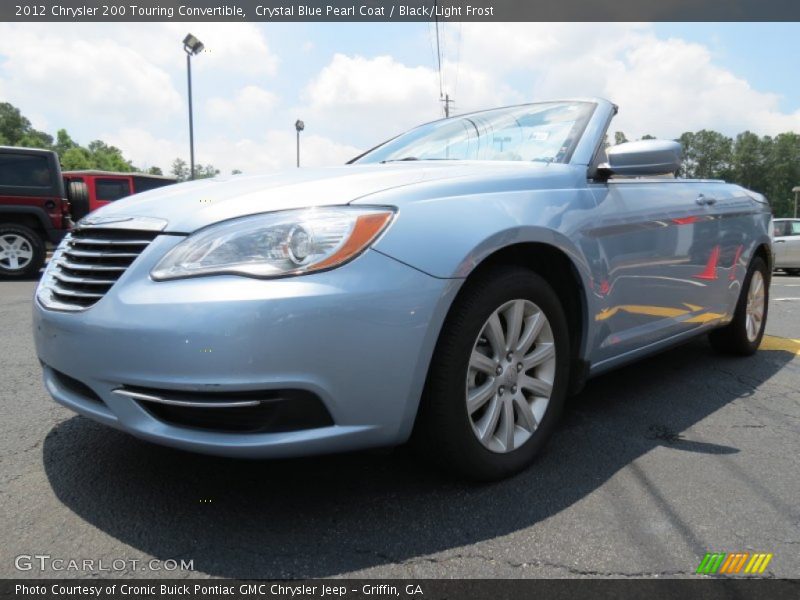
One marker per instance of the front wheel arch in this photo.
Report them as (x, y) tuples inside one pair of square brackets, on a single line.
[(558, 269), (441, 431)]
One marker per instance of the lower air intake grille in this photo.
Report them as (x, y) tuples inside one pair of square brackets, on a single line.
[(88, 262), (234, 412)]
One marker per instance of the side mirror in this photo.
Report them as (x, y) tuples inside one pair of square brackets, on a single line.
[(642, 158)]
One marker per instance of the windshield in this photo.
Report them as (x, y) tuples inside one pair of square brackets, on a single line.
[(544, 132)]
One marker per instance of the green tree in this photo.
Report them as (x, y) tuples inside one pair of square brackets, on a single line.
[(619, 138), (155, 171), (783, 172), (180, 170), (76, 159), (706, 154), (236, 172), (205, 171), (63, 142), (17, 130), (750, 156), (109, 158)]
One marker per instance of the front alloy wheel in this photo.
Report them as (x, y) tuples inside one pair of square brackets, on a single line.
[(510, 375), (498, 376)]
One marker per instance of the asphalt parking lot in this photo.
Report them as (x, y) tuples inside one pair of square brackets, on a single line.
[(653, 466)]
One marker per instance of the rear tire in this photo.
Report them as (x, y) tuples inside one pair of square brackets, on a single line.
[(742, 336), (510, 425), (793, 272)]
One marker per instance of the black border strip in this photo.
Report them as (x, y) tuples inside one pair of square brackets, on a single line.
[(405, 589), (399, 10)]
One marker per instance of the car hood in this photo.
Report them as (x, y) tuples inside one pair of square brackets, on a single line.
[(189, 206)]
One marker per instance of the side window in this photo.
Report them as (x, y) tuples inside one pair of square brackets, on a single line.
[(795, 228), (783, 228), (112, 189), (25, 171)]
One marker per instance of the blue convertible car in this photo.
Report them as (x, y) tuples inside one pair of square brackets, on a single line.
[(450, 287)]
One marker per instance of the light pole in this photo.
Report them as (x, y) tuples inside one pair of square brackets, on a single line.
[(299, 126), (192, 46), (796, 190)]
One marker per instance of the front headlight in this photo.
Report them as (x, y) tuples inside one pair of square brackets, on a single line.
[(276, 244)]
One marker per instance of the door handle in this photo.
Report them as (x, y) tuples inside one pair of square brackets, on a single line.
[(704, 200), (780, 241)]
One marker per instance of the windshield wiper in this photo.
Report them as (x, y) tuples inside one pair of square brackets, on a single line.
[(388, 160)]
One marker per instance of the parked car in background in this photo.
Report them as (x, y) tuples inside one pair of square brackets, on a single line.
[(786, 245), (34, 209), (39, 203), (89, 190), (450, 286)]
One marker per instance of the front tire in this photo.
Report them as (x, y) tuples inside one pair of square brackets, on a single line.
[(22, 251), (742, 336), (498, 377)]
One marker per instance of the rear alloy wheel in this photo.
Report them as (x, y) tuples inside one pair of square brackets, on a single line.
[(21, 251), (498, 376), (742, 336)]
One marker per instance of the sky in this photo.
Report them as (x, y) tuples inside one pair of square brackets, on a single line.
[(355, 85)]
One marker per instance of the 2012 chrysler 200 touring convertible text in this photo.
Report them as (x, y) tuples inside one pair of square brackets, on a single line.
[(450, 286)]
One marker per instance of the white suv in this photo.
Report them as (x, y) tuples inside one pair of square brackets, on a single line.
[(787, 245)]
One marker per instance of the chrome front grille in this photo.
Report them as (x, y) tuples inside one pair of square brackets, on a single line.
[(87, 263)]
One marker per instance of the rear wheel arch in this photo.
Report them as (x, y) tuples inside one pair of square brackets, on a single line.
[(765, 253), (28, 219)]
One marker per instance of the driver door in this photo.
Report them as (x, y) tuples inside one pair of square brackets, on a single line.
[(659, 250)]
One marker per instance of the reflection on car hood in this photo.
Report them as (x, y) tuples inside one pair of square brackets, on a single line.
[(188, 206)]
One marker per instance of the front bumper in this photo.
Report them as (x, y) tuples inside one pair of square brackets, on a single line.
[(359, 338)]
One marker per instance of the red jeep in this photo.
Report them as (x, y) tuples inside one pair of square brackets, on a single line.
[(38, 203), (33, 209), (89, 190)]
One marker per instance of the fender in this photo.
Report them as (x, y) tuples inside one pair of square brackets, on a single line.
[(37, 211), (555, 216)]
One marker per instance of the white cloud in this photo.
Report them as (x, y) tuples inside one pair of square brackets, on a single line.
[(250, 102), (370, 99), (238, 47), (663, 86), (89, 77), (671, 86), (274, 150), (128, 80), (145, 150), (80, 77)]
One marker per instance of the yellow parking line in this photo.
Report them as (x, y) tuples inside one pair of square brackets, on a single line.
[(771, 342)]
